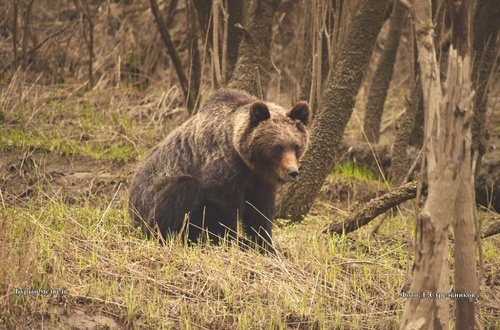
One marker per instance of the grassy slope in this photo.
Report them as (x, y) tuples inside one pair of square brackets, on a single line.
[(114, 276)]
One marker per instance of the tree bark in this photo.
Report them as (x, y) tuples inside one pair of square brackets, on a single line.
[(407, 122), (447, 148), (433, 222), (251, 72), (383, 74), (376, 157), (459, 99), (337, 104)]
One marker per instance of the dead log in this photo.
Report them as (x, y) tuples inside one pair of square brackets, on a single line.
[(373, 208), (491, 230)]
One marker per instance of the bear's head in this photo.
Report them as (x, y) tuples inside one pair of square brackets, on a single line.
[(272, 140)]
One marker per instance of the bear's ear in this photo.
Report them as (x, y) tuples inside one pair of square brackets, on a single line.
[(301, 112), (258, 112)]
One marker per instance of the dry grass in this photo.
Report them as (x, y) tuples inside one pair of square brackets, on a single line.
[(114, 278), (108, 268)]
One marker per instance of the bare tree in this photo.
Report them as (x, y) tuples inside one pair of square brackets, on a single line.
[(430, 269), (321, 39), (447, 148), (189, 97), (251, 72), (194, 58), (224, 17), (460, 101), (337, 105), (14, 30), (383, 74), (26, 33), (88, 14)]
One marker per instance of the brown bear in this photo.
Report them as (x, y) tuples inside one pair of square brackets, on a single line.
[(223, 164)]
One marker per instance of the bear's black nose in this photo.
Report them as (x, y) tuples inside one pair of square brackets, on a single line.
[(293, 173)]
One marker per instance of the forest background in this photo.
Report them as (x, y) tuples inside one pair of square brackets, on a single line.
[(88, 87)]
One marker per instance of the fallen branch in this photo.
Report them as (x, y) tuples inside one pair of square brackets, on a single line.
[(491, 230), (373, 208)]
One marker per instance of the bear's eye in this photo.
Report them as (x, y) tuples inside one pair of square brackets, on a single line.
[(278, 149), (297, 150)]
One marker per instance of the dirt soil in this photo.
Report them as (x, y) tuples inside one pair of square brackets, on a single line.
[(73, 179)]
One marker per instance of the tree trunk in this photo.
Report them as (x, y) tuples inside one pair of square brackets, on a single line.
[(174, 56), (251, 72), (235, 9), (26, 34), (447, 148), (321, 36), (485, 45), (337, 104), (383, 74), (417, 133), (232, 12), (194, 58), (459, 99), (399, 163), (430, 268)]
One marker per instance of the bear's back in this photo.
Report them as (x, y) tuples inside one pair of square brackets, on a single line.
[(226, 100)]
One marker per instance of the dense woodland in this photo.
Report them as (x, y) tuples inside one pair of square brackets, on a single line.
[(406, 132)]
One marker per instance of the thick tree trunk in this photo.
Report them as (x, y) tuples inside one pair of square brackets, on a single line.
[(459, 94), (251, 72), (450, 199), (407, 122), (399, 162), (460, 101), (430, 273), (417, 133), (337, 105), (383, 74)]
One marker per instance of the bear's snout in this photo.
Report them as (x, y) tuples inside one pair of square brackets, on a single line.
[(292, 174), (288, 170)]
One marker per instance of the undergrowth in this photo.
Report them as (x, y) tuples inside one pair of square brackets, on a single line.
[(98, 265), (97, 257), (353, 171)]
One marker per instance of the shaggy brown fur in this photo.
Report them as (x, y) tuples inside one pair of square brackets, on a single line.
[(222, 164)]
